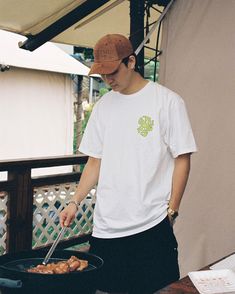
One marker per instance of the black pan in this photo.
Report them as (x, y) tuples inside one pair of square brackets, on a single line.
[(14, 267)]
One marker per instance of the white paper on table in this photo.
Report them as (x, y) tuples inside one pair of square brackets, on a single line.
[(213, 281), (227, 263)]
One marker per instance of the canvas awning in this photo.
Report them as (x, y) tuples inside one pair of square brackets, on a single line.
[(95, 19), (48, 57)]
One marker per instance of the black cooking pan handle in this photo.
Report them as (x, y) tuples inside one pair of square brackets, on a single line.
[(7, 283)]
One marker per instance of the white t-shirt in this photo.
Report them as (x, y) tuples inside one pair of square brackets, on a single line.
[(137, 137)]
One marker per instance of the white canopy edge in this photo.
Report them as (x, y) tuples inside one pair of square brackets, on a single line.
[(48, 57)]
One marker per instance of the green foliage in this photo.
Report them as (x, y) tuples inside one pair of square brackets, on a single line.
[(87, 53), (75, 135), (103, 91), (149, 69), (87, 114)]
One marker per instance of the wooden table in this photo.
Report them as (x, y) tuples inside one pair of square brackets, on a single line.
[(184, 286)]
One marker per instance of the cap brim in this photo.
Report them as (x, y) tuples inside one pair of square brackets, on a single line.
[(104, 68)]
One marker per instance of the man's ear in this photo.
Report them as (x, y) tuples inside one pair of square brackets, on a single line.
[(131, 62)]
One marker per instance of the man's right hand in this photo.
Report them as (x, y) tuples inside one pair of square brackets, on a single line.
[(67, 215), (88, 180)]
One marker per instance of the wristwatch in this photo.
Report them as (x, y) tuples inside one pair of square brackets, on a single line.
[(172, 213), (75, 202)]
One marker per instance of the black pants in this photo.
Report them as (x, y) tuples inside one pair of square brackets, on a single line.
[(139, 264)]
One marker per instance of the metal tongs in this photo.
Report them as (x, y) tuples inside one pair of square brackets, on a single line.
[(52, 249)]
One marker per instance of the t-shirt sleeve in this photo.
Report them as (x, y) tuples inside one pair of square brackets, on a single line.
[(179, 136), (92, 143)]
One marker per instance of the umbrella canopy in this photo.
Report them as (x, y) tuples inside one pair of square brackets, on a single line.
[(86, 20)]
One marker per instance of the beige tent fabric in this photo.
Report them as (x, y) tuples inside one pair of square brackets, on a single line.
[(198, 62), (36, 116)]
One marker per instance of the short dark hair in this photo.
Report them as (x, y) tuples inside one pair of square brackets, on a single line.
[(126, 60)]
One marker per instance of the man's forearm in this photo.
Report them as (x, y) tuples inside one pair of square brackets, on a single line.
[(179, 181), (89, 179)]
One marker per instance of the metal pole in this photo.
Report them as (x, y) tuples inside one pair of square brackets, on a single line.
[(66, 21), (91, 91), (137, 29), (154, 27)]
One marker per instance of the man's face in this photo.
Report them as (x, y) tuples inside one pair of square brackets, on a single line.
[(120, 79)]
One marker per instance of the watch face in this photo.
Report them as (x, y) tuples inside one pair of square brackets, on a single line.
[(173, 213)]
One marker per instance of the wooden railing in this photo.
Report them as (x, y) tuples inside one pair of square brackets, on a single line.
[(19, 187)]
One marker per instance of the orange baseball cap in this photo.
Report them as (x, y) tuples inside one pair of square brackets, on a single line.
[(109, 52)]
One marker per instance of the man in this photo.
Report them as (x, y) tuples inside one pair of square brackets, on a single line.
[(139, 142)]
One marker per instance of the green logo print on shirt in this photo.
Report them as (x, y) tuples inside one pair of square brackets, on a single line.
[(145, 125)]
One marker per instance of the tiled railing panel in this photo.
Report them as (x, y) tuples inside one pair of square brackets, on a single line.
[(3, 218), (48, 203)]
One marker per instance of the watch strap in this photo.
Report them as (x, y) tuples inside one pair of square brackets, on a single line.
[(75, 202)]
